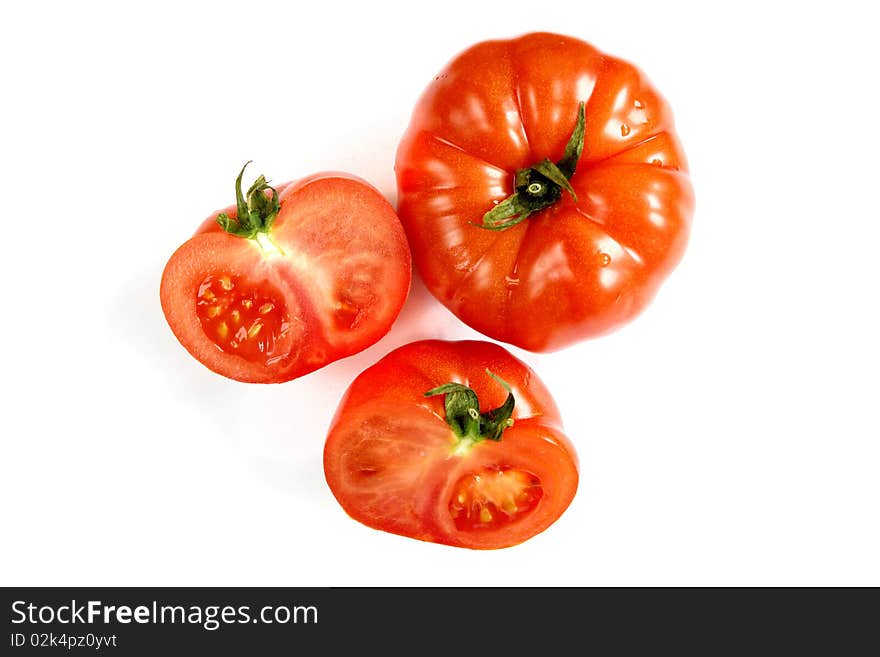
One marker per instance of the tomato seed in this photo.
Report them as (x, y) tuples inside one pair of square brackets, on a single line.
[(242, 318)]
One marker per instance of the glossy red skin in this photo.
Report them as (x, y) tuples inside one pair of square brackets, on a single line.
[(416, 467), (575, 270), (338, 234)]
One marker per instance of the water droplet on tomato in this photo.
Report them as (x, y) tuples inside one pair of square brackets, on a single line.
[(624, 129), (604, 259), (657, 162), (638, 104)]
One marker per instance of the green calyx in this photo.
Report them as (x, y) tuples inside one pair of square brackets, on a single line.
[(463, 412), (539, 186), (256, 210)]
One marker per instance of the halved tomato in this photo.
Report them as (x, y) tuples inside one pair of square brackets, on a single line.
[(290, 279), (451, 442)]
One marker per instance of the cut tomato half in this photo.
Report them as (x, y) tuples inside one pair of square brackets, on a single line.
[(316, 271), (471, 465)]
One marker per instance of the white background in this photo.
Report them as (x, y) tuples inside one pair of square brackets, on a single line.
[(728, 436)]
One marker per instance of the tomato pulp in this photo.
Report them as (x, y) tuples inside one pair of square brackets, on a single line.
[(543, 190), (456, 443), (317, 270)]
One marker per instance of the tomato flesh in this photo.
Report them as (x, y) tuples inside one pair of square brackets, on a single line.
[(242, 318), (493, 498), (355, 295)]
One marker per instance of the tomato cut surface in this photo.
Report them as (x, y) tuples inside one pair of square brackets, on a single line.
[(242, 318), (323, 280), (543, 189), (396, 463), (493, 497)]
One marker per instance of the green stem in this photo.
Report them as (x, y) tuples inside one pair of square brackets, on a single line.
[(540, 185), (255, 210), (464, 416)]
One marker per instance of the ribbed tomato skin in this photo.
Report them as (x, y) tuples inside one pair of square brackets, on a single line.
[(577, 269)]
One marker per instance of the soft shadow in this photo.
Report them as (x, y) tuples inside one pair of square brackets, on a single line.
[(301, 410), (277, 430), (134, 318), (422, 317)]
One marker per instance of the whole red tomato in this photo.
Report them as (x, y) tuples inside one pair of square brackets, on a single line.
[(451, 442), (289, 279), (543, 190)]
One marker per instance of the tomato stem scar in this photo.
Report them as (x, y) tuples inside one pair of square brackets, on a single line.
[(267, 244)]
